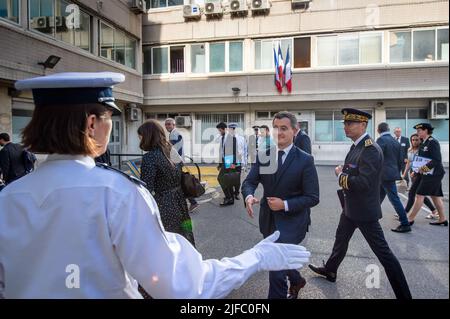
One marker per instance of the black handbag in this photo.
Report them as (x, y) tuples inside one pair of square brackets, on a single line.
[(191, 185)]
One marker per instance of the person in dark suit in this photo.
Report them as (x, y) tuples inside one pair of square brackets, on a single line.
[(12, 165), (229, 164), (360, 180), (253, 144), (302, 141), (392, 164), (291, 187), (403, 141), (430, 175)]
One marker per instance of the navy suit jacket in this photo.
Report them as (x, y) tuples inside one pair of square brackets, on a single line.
[(393, 160), (303, 142), (297, 182)]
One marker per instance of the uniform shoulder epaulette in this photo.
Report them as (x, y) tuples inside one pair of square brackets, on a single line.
[(131, 178), (431, 139), (368, 142)]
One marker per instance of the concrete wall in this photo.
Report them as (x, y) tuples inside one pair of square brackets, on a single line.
[(385, 82)]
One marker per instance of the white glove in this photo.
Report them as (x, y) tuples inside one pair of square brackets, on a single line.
[(276, 256)]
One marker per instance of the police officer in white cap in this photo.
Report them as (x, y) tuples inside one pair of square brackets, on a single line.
[(72, 229)]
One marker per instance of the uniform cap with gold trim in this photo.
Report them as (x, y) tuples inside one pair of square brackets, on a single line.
[(354, 115)]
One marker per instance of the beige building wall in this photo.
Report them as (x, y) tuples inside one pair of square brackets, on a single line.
[(21, 48)]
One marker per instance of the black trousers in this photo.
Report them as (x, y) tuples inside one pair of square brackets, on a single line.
[(412, 196), (227, 191), (374, 236)]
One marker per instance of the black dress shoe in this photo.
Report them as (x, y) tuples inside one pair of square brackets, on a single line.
[(331, 276), (227, 202), (411, 223), (402, 229), (444, 223), (294, 289), (236, 197)]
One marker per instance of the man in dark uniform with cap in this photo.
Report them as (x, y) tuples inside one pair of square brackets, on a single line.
[(360, 180)]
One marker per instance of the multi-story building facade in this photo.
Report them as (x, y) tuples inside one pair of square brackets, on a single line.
[(387, 57), (87, 36), (211, 61)]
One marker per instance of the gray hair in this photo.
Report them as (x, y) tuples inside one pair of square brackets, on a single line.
[(171, 120), (286, 115)]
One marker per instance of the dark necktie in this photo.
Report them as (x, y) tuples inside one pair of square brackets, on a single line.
[(353, 147), (280, 160)]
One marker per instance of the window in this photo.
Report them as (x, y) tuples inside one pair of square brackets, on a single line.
[(9, 9), (302, 52), (106, 41), (397, 118), (147, 54), (76, 30), (177, 59), (371, 47), (205, 125), (163, 3), (349, 49), (130, 52), (406, 118), (163, 60), (265, 115), (330, 128), (424, 45), (264, 52), (217, 57), (236, 56), (326, 51), (41, 16), (400, 46), (160, 58), (324, 126), (116, 46), (419, 45), (442, 44), (198, 58)]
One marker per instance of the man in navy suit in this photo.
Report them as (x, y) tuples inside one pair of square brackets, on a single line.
[(291, 187), (302, 141), (403, 141), (390, 173)]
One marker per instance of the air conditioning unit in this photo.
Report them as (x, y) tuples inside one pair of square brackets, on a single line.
[(192, 11), (39, 23), (300, 4), (138, 6), (439, 109), (238, 7), (183, 121), (59, 21), (133, 114), (213, 8), (260, 5)]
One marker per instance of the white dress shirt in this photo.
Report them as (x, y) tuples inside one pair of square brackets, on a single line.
[(71, 222)]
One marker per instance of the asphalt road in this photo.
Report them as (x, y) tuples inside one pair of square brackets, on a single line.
[(423, 253)]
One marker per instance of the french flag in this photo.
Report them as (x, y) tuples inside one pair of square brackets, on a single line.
[(288, 73), (280, 65), (278, 78)]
